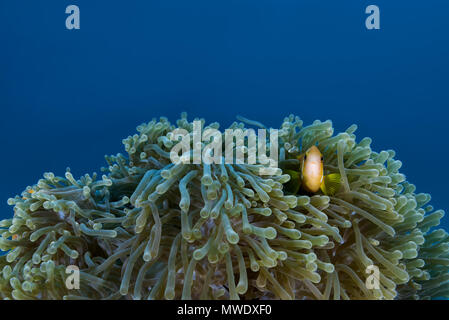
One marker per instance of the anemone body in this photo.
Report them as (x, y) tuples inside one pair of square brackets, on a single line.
[(149, 229)]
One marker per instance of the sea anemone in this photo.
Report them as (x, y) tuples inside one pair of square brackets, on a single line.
[(151, 229)]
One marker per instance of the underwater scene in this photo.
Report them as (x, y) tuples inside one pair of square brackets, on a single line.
[(224, 150)]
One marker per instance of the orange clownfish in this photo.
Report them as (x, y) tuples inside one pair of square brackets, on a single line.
[(31, 191), (310, 177)]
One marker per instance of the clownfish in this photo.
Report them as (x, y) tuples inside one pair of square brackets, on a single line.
[(310, 176), (31, 191)]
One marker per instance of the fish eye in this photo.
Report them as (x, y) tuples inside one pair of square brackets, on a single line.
[(305, 157), (322, 158)]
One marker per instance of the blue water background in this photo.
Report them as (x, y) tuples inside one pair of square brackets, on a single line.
[(67, 98)]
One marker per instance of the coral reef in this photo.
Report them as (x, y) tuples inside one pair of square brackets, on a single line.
[(149, 229)]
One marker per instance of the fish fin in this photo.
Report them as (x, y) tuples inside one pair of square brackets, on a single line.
[(294, 183), (301, 165), (331, 184)]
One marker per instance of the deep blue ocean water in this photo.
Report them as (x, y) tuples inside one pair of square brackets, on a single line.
[(68, 97)]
